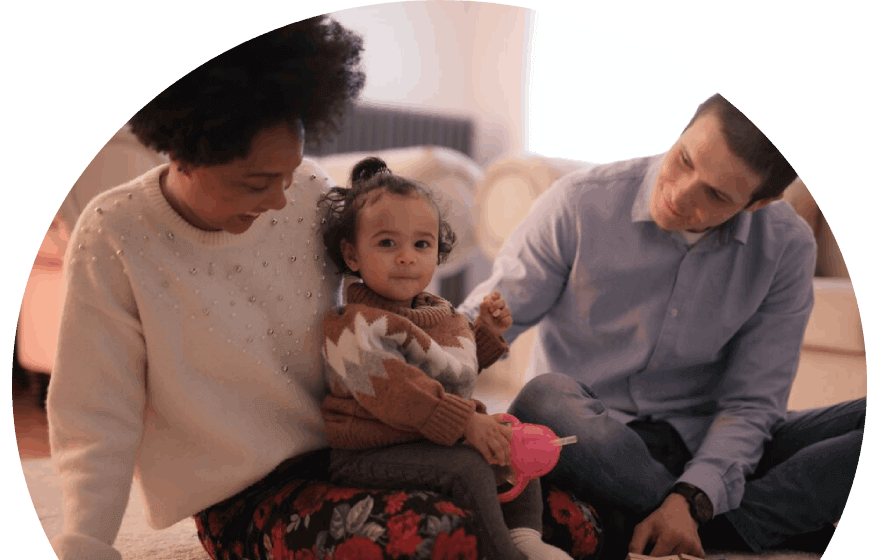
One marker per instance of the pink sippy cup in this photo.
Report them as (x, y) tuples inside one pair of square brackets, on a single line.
[(534, 451)]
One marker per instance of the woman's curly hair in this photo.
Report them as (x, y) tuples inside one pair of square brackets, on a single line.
[(306, 72), (340, 207)]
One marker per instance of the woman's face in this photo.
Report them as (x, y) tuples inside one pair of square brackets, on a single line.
[(232, 195)]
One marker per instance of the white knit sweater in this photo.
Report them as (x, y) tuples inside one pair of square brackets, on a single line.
[(187, 360)]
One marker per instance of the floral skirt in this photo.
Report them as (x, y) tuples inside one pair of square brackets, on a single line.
[(293, 514)]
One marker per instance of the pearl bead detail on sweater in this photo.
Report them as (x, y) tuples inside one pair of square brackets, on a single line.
[(251, 287)]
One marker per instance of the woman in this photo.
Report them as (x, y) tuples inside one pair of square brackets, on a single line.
[(188, 348)]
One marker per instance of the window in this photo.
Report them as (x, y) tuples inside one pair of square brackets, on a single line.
[(598, 97)]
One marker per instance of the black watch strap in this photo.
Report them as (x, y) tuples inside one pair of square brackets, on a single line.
[(698, 502)]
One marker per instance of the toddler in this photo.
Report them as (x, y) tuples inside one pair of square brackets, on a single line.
[(402, 364)]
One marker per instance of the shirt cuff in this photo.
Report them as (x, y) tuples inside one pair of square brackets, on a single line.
[(708, 480)]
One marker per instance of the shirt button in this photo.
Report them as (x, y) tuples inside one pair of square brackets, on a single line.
[(674, 312)]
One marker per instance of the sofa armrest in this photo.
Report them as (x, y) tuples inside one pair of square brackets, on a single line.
[(835, 324)]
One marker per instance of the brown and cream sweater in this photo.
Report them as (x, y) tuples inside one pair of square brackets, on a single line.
[(399, 374)]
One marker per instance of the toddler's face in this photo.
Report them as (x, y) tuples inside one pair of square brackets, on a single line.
[(395, 248)]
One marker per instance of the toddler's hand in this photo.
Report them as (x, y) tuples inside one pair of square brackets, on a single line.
[(490, 437), (495, 314)]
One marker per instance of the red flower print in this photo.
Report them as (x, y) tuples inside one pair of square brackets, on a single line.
[(209, 547), (286, 491), (584, 540), (338, 494), (279, 544), (358, 548), (450, 509), (458, 546), (231, 511), (403, 535), (238, 549), (311, 499), (304, 554), (260, 515), (199, 526), (215, 526), (567, 513), (394, 502), (562, 508)]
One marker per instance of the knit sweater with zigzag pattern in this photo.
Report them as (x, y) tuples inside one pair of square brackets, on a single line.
[(400, 374)]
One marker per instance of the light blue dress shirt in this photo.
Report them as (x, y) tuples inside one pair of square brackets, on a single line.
[(705, 336)]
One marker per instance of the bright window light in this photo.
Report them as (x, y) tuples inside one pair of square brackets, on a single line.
[(598, 97)]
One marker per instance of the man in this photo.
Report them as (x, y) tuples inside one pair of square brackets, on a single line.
[(671, 296)]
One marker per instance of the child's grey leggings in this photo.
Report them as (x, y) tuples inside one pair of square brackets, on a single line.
[(458, 471)]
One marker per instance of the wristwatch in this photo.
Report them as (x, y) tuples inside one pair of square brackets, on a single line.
[(698, 502)]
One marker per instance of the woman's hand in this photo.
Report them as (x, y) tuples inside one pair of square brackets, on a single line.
[(494, 313), (491, 437)]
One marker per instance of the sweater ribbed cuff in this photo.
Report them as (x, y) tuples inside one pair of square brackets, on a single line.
[(490, 348), (76, 546), (449, 420)]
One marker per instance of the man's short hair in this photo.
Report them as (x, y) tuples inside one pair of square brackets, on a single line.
[(748, 143)]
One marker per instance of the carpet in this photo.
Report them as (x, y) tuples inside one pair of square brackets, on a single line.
[(137, 541)]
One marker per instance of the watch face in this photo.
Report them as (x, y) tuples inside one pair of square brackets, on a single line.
[(702, 508)]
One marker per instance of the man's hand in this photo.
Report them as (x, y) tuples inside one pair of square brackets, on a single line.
[(494, 314), (670, 528), (489, 436)]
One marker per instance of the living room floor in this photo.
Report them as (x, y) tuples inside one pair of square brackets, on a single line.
[(822, 378)]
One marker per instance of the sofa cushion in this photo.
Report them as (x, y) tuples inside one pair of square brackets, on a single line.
[(829, 262), (835, 323)]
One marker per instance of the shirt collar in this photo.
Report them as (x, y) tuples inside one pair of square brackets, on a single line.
[(641, 210), (739, 225)]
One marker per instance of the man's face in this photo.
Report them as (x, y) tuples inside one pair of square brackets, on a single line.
[(701, 182)]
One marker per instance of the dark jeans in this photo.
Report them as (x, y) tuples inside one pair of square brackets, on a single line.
[(800, 485), (459, 472)]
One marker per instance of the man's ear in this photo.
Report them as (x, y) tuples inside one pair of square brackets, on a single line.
[(763, 202), (349, 255)]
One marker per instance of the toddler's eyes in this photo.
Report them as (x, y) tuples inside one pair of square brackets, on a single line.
[(386, 243), (423, 244)]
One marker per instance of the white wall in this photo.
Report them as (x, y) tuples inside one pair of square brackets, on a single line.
[(534, 81), (622, 87), (461, 58)]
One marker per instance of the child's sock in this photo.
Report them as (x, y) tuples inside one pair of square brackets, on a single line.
[(530, 543)]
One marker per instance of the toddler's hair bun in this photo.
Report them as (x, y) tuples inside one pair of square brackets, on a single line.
[(367, 168)]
